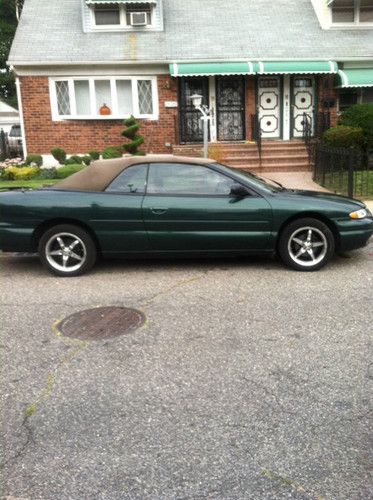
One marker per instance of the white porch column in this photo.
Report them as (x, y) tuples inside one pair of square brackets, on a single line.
[(286, 108), (212, 106)]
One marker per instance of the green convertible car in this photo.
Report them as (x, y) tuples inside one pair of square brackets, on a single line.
[(168, 205)]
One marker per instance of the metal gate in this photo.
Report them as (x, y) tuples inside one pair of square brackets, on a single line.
[(230, 102), (191, 126)]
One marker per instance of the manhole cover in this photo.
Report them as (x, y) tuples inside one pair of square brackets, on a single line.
[(101, 323)]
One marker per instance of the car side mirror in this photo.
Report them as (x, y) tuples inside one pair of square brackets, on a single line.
[(239, 191)]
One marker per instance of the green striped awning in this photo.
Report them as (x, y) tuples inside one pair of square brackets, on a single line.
[(355, 77), (207, 69), (296, 67)]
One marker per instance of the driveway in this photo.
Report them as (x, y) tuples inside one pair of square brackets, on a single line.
[(247, 381)]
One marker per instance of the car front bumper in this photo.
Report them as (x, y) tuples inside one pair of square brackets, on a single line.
[(354, 234)]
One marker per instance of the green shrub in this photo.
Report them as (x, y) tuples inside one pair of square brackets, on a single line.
[(87, 160), (74, 160), (344, 137), (112, 152), (67, 170), (34, 159), (360, 115), (95, 155), (47, 173), (20, 173), (59, 154), (78, 160)]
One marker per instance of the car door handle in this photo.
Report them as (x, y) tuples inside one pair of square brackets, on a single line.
[(158, 211)]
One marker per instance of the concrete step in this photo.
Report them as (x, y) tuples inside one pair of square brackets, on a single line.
[(281, 166), (285, 158)]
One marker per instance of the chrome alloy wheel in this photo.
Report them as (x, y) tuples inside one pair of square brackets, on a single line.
[(307, 246), (65, 252)]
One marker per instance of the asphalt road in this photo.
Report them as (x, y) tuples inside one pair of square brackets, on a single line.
[(248, 381)]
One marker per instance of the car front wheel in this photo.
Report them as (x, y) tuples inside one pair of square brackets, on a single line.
[(306, 244), (67, 250)]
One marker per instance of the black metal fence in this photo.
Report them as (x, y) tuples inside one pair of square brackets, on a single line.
[(344, 171)]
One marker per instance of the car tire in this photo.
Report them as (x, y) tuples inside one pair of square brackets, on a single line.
[(67, 250), (306, 244)]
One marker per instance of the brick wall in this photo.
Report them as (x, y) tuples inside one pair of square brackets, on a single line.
[(250, 108), (80, 136)]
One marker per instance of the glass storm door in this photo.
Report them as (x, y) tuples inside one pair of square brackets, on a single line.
[(303, 101), (269, 106), (191, 126), (230, 100)]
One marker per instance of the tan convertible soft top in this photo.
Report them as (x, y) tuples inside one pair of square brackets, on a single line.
[(100, 173)]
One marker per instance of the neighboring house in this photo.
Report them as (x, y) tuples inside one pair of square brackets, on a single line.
[(275, 60), (8, 116)]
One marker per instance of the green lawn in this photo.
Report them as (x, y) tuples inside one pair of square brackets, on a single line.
[(32, 184), (363, 183)]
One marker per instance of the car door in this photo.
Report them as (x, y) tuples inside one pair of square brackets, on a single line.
[(116, 213), (188, 207)]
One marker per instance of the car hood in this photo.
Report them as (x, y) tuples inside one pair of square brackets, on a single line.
[(319, 195)]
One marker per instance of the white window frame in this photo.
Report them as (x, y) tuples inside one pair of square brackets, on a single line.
[(114, 98), (122, 20), (353, 24)]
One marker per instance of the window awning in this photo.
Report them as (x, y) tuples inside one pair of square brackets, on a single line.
[(208, 69), (355, 77), (103, 2), (252, 68), (296, 67)]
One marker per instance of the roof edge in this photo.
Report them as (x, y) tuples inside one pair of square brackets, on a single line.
[(144, 62)]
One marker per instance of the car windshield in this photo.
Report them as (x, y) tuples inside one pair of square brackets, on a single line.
[(256, 180)]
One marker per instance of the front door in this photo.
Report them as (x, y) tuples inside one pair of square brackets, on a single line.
[(230, 108), (303, 101), (269, 106), (191, 126)]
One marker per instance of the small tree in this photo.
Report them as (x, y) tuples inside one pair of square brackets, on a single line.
[(131, 133)]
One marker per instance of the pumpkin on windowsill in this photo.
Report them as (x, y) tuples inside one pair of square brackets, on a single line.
[(105, 110)]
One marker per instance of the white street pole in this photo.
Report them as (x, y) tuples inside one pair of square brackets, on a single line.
[(205, 120), (197, 103)]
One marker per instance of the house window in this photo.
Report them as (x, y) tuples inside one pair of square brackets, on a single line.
[(347, 98), (352, 11), (343, 11), (366, 11), (85, 97), (119, 15), (367, 95), (107, 15)]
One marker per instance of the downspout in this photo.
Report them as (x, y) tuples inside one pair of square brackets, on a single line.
[(20, 109)]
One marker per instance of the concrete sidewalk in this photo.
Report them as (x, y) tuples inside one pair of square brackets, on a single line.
[(301, 180)]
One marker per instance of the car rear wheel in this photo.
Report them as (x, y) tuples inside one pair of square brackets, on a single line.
[(67, 250), (306, 244)]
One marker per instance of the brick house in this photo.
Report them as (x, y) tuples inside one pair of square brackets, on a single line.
[(267, 60)]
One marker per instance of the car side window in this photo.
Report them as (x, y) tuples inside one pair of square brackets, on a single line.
[(131, 180), (187, 179)]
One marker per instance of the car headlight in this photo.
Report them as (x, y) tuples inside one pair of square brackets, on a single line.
[(358, 214)]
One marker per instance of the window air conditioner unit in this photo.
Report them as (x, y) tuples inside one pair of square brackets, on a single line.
[(138, 19)]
